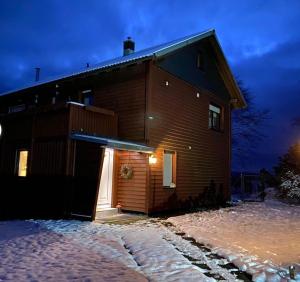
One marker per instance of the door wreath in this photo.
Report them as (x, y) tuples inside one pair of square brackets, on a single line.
[(126, 171)]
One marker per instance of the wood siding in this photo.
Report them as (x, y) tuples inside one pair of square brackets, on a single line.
[(131, 193), (123, 92), (48, 157), (181, 124), (93, 120)]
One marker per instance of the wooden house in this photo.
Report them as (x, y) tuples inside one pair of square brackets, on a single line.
[(148, 131)]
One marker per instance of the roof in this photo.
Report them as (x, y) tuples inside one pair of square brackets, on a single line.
[(113, 143), (149, 53)]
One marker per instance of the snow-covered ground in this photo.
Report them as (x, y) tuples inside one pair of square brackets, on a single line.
[(260, 238), (65, 250)]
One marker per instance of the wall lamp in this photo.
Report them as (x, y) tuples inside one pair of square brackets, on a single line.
[(152, 159)]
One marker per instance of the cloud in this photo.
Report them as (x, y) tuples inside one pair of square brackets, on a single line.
[(259, 38)]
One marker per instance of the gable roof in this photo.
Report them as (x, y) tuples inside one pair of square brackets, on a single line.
[(154, 53)]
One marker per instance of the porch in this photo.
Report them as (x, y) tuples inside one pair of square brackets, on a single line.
[(122, 179)]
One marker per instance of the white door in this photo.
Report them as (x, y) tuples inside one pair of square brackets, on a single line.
[(105, 189)]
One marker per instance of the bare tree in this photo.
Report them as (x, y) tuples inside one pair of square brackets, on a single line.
[(247, 127)]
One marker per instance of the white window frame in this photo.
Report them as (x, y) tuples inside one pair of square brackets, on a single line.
[(169, 168)]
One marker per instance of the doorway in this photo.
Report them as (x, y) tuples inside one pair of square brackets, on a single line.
[(104, 200)]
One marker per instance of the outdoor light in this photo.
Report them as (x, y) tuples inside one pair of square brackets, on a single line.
[(0, 130), (198, 95), (167, 83), (152, 159), (292, 272)]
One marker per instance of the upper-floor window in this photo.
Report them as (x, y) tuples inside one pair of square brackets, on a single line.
[(16, 108), (214, 117), (87, 97), (200, 61)]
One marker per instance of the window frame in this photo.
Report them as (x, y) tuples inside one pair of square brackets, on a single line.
[(172, 185), (17, 161), (212, 115), (86, 95)]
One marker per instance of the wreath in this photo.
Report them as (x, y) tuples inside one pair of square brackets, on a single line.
[(126, 171)]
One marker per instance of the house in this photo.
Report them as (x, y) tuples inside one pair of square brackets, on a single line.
[(148, 131)]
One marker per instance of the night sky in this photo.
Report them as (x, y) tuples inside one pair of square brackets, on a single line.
[(260, 39)]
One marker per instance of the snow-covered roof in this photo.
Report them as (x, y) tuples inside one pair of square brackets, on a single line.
[(149, 53), (155, 51), (113, 143)]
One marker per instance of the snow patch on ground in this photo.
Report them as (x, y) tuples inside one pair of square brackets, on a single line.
[(65, 250), (260, 238), (32, 253)]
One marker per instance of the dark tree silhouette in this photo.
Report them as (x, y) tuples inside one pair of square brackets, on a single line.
[(289, 162), (247, 130)]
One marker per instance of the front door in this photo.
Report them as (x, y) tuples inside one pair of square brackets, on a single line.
[(105, 189)]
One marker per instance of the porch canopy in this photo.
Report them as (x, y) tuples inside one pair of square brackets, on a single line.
[(113, 143)]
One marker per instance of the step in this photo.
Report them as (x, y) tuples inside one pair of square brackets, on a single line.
[(106, 212)]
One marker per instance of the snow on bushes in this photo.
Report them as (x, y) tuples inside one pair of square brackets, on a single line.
[(290, 185)]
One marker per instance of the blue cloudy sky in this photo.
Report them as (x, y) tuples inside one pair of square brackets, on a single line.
[(261, 40)]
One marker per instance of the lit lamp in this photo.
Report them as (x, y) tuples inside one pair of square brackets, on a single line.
[(152, 159)]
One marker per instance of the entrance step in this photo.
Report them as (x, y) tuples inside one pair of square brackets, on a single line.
[(106, 212)]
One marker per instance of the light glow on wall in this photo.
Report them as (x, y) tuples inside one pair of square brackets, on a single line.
[(152, 159)]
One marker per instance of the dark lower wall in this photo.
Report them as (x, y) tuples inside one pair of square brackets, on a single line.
[(35, 197)]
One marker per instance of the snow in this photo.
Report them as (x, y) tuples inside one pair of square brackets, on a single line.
[(65, 250), (260, 238), (291, 185), (31, 253)]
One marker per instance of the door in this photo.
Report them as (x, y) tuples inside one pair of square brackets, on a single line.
[(105, 189), (85, 181)]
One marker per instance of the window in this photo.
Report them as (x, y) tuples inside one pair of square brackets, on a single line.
[(87, 97), (200, 61), (214, 117), (169, 169), (17, 108), (21, 164)]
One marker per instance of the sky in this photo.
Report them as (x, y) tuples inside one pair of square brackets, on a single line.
[(260, 39)]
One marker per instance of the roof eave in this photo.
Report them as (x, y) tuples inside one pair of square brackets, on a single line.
[(164, 51), (229, 79)]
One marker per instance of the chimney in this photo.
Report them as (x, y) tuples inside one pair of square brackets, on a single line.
[(37, 74), (128, 46)]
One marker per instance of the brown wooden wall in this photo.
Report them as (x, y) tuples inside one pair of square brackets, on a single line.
[(131, 193), (181, 120), (123, 92), (93, 120)]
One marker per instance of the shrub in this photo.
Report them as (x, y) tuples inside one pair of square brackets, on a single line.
[(290, 186)]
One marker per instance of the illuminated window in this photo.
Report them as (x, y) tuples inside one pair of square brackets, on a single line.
[(169, 169), (214, 117), (22, 158)]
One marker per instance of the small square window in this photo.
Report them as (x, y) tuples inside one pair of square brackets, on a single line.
[(214, 117)]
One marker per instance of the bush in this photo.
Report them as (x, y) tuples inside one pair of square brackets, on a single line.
[(290, 186)]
